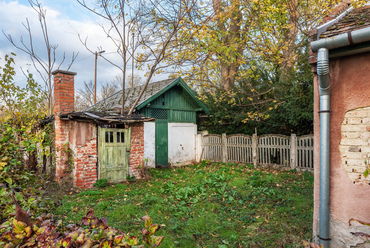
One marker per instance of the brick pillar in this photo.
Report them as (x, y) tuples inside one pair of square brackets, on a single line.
[(63, 103), (64, 92), (136, 156)]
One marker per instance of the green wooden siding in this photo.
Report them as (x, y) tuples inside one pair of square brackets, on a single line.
[(175, 105), (114, 145), (184, 116)]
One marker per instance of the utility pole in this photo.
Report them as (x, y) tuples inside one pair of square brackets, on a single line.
[(96, 64), (132, 57)]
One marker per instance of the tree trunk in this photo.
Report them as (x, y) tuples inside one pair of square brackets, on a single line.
[(229, 60), (32, 160), (291, 32)]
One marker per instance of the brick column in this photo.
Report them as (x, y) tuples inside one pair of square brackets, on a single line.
[(63, 103), (136, 156)]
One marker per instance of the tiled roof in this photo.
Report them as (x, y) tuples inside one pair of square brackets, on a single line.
[(114, 102), (356, 19)]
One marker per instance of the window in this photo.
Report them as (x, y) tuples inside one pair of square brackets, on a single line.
[(108, 137), (120, 137)]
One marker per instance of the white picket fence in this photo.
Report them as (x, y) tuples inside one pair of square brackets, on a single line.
[(279, 150)]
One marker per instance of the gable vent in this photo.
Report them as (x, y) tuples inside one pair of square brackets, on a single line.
[(159, 114)]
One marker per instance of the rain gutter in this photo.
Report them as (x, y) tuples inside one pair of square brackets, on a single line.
[(322, 46)]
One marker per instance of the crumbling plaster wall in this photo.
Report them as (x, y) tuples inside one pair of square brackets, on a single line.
[(350, 82), (80, 138), (83, 142), (354, 146)]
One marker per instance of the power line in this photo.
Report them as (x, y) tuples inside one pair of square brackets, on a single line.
[(90, 57), (84, 58), (111, 53)]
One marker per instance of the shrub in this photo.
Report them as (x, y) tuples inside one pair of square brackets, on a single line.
[(29, 193), (92, 231)]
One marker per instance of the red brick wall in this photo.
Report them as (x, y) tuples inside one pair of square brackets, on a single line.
[(63, 103), (136, 149), (80, 137), (63, 92), (85, 160), (61, 138)]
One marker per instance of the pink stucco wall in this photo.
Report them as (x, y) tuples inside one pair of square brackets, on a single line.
[(350, 89)]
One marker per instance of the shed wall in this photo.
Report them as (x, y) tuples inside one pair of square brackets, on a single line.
[(149, 144), (181, 143)]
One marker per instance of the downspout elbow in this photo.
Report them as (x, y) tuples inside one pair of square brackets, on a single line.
[(323, 71)]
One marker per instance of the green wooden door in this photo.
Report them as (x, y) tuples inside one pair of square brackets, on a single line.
[(161, 142), (114, 145)]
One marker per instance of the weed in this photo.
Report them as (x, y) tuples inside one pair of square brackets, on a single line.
[(168, 187), (101, 183), (90, 192), (131, 178)]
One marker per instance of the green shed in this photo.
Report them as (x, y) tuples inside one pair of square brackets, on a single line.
[(171, 137)]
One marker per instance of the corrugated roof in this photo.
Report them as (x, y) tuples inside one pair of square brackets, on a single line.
[(114, 102), (356, 19)]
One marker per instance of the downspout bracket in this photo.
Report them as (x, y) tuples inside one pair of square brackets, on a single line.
[(324, 111), (329, 239)]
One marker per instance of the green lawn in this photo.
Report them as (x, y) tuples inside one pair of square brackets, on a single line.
[(207, 205)]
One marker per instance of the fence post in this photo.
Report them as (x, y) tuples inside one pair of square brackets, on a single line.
[(293, 151), (254, 150), (224, 148)]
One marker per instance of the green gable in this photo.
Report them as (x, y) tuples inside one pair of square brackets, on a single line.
[(174, 103)]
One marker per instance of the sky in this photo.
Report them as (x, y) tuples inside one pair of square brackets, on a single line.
[(65, 19)]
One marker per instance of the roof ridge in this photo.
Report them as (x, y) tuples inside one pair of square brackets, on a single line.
[(339, 12)]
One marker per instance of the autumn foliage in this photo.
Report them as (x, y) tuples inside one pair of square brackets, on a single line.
[(92, 232)]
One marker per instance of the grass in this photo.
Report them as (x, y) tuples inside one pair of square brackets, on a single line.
[(207, 205)]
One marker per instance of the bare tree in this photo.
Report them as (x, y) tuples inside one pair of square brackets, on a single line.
[(44, 66), (132, 81), (161, 20), (122, 22), (109, 88), (85, 96), (155, 23)]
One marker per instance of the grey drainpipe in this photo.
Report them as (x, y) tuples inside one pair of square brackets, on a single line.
[(324, 86), (323, 46)]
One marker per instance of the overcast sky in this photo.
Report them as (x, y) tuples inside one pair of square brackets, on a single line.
[(65, 19)]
